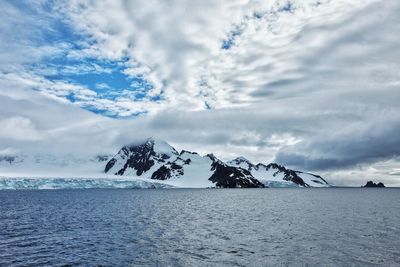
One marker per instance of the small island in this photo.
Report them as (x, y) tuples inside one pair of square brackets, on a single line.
[(372, 184)]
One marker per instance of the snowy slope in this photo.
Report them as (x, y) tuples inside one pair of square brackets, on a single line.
[(195, 171), (47, 165)]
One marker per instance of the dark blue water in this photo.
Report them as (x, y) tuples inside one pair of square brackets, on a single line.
[(184, 227)]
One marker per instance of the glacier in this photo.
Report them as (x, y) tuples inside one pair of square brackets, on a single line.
[(76, 183)]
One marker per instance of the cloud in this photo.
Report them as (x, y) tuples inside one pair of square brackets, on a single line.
[(164, 42), (23, 40), (18, 128), (181, 55), (357, 78), (355, 144)]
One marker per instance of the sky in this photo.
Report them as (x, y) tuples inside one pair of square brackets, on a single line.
[(311, 84)]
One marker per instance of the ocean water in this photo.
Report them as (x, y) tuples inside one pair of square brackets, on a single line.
[(200, 227)]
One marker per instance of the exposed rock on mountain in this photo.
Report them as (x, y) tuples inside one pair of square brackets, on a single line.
[(231, 177)]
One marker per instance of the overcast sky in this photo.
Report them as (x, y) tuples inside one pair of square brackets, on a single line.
[(313, 85)]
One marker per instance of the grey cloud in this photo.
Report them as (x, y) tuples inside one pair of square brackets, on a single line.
[(343, 149)]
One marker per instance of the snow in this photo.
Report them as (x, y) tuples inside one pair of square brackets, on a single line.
[(268, 175), (162, 147)]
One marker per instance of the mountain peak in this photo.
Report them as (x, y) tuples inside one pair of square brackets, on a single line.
[(212, 157), (139, 158), (152, 144), (162, 147), (241, 159), (242, 162)]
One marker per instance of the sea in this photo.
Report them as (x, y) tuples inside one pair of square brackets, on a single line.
[(200, 227)]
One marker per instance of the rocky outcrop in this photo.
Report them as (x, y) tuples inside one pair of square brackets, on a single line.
[(372, 184), (231, 177)]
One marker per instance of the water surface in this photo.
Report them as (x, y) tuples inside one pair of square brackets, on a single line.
[(200, 227)]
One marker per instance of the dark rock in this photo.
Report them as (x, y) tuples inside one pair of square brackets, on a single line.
[(225, 176), (372, 184), (188, 152), (167, 171), (163, 173), (110, 164), (380, 184)]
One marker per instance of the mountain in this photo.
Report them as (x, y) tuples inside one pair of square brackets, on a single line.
[(149, 164), (275, 175), (158, 160)]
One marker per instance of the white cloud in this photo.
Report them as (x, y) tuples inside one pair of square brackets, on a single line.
[(18, 128), (22, 36), (9, 151), (176, 45)]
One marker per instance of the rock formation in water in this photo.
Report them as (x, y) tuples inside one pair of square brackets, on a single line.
[(372, 184)]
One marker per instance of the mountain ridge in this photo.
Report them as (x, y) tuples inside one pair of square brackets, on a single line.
[(170, 165)]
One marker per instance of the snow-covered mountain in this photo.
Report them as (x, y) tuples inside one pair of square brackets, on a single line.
[(274, 175), (150, 164), (157, 160)]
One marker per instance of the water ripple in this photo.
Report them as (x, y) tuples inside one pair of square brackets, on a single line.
[(179, 227)]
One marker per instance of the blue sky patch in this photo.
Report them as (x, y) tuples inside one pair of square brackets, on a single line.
[(230, 41), (104, 77)]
